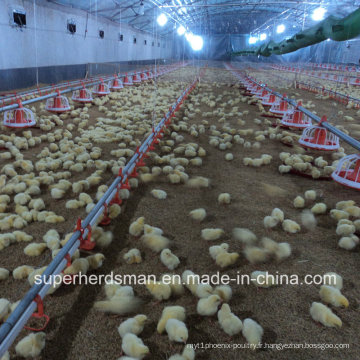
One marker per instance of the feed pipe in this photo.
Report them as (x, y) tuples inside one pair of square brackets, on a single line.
[(348, 139), (54, 94), (16, 321)]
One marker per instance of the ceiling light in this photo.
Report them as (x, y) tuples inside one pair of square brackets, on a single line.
[(181, 30), (196, 42), (318, 14), (252, 40), (162, 19), (263, 37), (280, 29), (188, 36)]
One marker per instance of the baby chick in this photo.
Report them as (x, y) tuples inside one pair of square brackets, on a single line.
[(217, 249), (170, 312), (159, 194), (319, 208), (133, 256), (333, 279), (270, 222), (159, 290), (229, 322), (252, 332), (134, 347), (170, 260), (198, 214), (208, 306), (246, 236), (176, 330), (224, 198), (299, 202), (133, 325), (262, 279), (255, 254), (224, 259), (155, 242), (321, 313), (308, 220), (78, 266), (35, 249), (31, 345), (278, 214), (211, 234), (137, 227), (333, 296), (224, 292), (291, 226), (95, 261)]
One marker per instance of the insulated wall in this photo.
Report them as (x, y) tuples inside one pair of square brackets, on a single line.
[(46, 44)]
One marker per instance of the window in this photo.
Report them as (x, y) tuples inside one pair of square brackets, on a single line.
[(101, 34), (134, 40), (19, 18), (121, 37), (71, 26), (153, 43), (145, 42)]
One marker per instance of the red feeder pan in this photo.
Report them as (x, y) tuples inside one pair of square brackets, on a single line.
[(82, 96), (59, 104), (270, 100), (296, 119), (143, 76), (348, 171), (19, 118), (116, 84), (279, 108), (136, 79), (128, 81), (101, 89), (317, 137)]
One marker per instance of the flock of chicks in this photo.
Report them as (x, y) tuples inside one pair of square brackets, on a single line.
[(125, 123)]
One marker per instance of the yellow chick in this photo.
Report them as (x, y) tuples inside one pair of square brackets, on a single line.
[(291, 226), (262, 279), (35, 249), (342, 205), (278, 214), (217, 249), (299, 202), (4, 309), (321, 313), (211, 234), (133, 325), (155, 242), (198, 214), (170, 312), (95, 261), (319, 208), (190, 280), (22, 272), (348, 242), (121, 300), (137, 227), (187, 354), (224, 292), (170, 260), (224, 198), (270, 222), (308, 220), (246, 236), (198, 182), (224, 259), (208, 306), (229, 322), (133, 256), (78, 266), (204, 290), (333, 279), (252, 332), (333, 296), (176, 330), (152, 230), (4, 274), (345, 229), (159, 194), (159, 290), (339, 214), (31, 345), (175, 283), (114, 211), (134, 347), (255, 254)]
